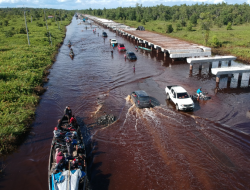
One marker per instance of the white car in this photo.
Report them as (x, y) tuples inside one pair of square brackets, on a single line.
[(113, 41), (180, 97)]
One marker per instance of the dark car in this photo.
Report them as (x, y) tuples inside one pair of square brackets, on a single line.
[(130, 55), (141, 99), (104, 34)]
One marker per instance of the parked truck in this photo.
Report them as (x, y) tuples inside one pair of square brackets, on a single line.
[(180, 97)]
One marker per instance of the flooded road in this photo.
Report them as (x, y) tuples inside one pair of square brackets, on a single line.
[(157, 148)]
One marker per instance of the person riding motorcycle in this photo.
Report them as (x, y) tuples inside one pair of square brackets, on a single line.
[(199, 93)]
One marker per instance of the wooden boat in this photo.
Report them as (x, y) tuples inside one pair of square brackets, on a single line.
[(71, 55), (144, 48), (73, 176)]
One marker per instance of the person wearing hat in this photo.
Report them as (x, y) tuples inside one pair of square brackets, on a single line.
[(68, 113)]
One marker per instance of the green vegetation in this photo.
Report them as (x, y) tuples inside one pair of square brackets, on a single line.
[(224, 27), (23, 67)]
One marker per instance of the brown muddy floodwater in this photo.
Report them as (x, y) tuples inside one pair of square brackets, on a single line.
[(157, 148)]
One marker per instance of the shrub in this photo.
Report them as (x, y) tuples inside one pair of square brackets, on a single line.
[(183, 23), (39, 24), (189, 26), (215, 42), (143, 21), (22, 30), (178, 27), (1, 23), (169, 28), (6, 22), (9, 33), (229, 26)]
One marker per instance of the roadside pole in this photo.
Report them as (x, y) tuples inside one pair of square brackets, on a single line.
[(26, 29), (45, 19)]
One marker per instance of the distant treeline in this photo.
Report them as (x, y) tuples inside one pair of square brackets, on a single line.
[(221, 13), (36, 13)]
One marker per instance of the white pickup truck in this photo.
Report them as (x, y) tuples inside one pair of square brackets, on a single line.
[(180, 97), (113, 41)]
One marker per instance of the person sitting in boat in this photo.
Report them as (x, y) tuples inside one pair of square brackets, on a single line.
[(69, 146), (199, 93), (57, 132), (73, 120), (59, 157), (68, 113), (81, 160), (62, 165)]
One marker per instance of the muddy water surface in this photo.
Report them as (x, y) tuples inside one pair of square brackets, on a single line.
[(157, 148)]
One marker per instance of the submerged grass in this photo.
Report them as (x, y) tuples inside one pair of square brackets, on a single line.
[(235, 42), (22, 69)]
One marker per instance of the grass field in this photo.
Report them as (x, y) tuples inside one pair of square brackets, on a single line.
[(22, 69), (235, 42)]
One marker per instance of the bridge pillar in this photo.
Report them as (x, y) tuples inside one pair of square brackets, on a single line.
[(239, 79), (210, 66), (229, 78), (191, 67), (152, 47), (249, 81), (200, 67), (157, 50), (219, 65), (217, 81), (229, 63)]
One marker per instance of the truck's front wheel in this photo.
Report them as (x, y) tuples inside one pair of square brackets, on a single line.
[(168, 97), (177, 107)]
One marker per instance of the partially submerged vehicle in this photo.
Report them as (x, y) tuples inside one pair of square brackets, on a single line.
[(180, 97), (104, 34), (121, 47), (131, 55), (113, 41), (67, 167), (141, 99)]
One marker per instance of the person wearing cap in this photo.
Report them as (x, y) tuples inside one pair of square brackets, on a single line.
[(68, 112), (199, 92)]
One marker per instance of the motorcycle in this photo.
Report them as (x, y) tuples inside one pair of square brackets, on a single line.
[(202, 96)]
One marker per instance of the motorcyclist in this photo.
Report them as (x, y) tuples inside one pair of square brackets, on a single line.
[(199, 93)]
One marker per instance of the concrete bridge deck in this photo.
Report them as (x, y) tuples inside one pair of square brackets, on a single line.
[(210, 59), (230, 70)]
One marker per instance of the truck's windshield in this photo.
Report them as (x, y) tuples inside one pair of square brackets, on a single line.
[(182, 95)]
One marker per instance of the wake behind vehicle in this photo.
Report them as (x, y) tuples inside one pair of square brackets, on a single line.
[(121, 47), (104, 34), (67, 167), (131, 55), (180, 97), (141, 99)]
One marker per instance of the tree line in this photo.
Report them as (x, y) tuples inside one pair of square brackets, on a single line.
[(220, 14)]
